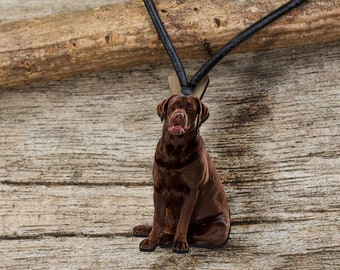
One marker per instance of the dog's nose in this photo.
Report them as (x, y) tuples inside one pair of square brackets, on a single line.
[(179, 116)]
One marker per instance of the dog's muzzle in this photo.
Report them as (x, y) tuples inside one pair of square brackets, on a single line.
[(177, 124)]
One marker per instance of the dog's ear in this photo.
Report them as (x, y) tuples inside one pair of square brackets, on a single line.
[(202, 112), (162, 108)]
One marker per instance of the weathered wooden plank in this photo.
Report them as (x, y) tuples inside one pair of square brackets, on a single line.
[(275, 229), (31, 211), (91, 226), (273, 115), (75, 165), (122, 253), (121, 35), (75, 137), (34, 211)]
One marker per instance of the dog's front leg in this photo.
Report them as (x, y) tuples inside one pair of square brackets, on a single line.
[(180, 244), (149, 244)]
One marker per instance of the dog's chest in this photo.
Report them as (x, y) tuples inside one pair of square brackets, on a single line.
[(174, 184), (175, 158)]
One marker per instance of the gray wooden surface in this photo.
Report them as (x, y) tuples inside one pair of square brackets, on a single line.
[(76, 157)]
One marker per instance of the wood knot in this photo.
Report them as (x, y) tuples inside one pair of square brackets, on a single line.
[(217, 22), (108, 38)]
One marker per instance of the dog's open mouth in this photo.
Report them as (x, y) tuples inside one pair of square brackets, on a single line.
[(176, 129)]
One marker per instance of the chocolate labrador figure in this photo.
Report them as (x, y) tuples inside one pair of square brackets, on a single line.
[(190, 205)]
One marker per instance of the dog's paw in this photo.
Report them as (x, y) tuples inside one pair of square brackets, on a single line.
[(180, 247), (147, 245)]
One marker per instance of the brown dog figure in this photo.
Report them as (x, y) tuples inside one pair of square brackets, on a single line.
[(190, 205)]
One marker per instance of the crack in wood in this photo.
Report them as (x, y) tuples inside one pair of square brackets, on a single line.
[(64, 235), (84, 184)]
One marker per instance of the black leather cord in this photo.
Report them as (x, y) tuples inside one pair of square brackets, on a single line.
[(176, 62), (187, 88), (205, 69)]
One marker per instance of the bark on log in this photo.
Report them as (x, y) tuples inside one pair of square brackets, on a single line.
[(120, 35)]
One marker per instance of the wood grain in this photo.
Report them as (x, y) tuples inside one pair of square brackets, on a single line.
[(121, 35), (76, 157)]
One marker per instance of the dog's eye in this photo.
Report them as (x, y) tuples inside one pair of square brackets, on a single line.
[(189, 106), (172, 108)]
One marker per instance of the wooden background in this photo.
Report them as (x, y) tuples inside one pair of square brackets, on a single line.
[(76, 157)]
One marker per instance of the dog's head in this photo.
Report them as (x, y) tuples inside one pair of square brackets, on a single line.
[(182, 113)]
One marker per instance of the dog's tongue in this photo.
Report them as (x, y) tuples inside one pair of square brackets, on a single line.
[(176, 129)]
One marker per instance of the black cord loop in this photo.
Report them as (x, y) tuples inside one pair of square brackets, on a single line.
[(186, 87)]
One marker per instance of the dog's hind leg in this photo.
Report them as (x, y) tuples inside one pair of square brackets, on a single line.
[(212, 234), (142, 230)]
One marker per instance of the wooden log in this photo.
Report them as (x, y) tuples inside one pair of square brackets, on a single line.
[(120, 35)]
